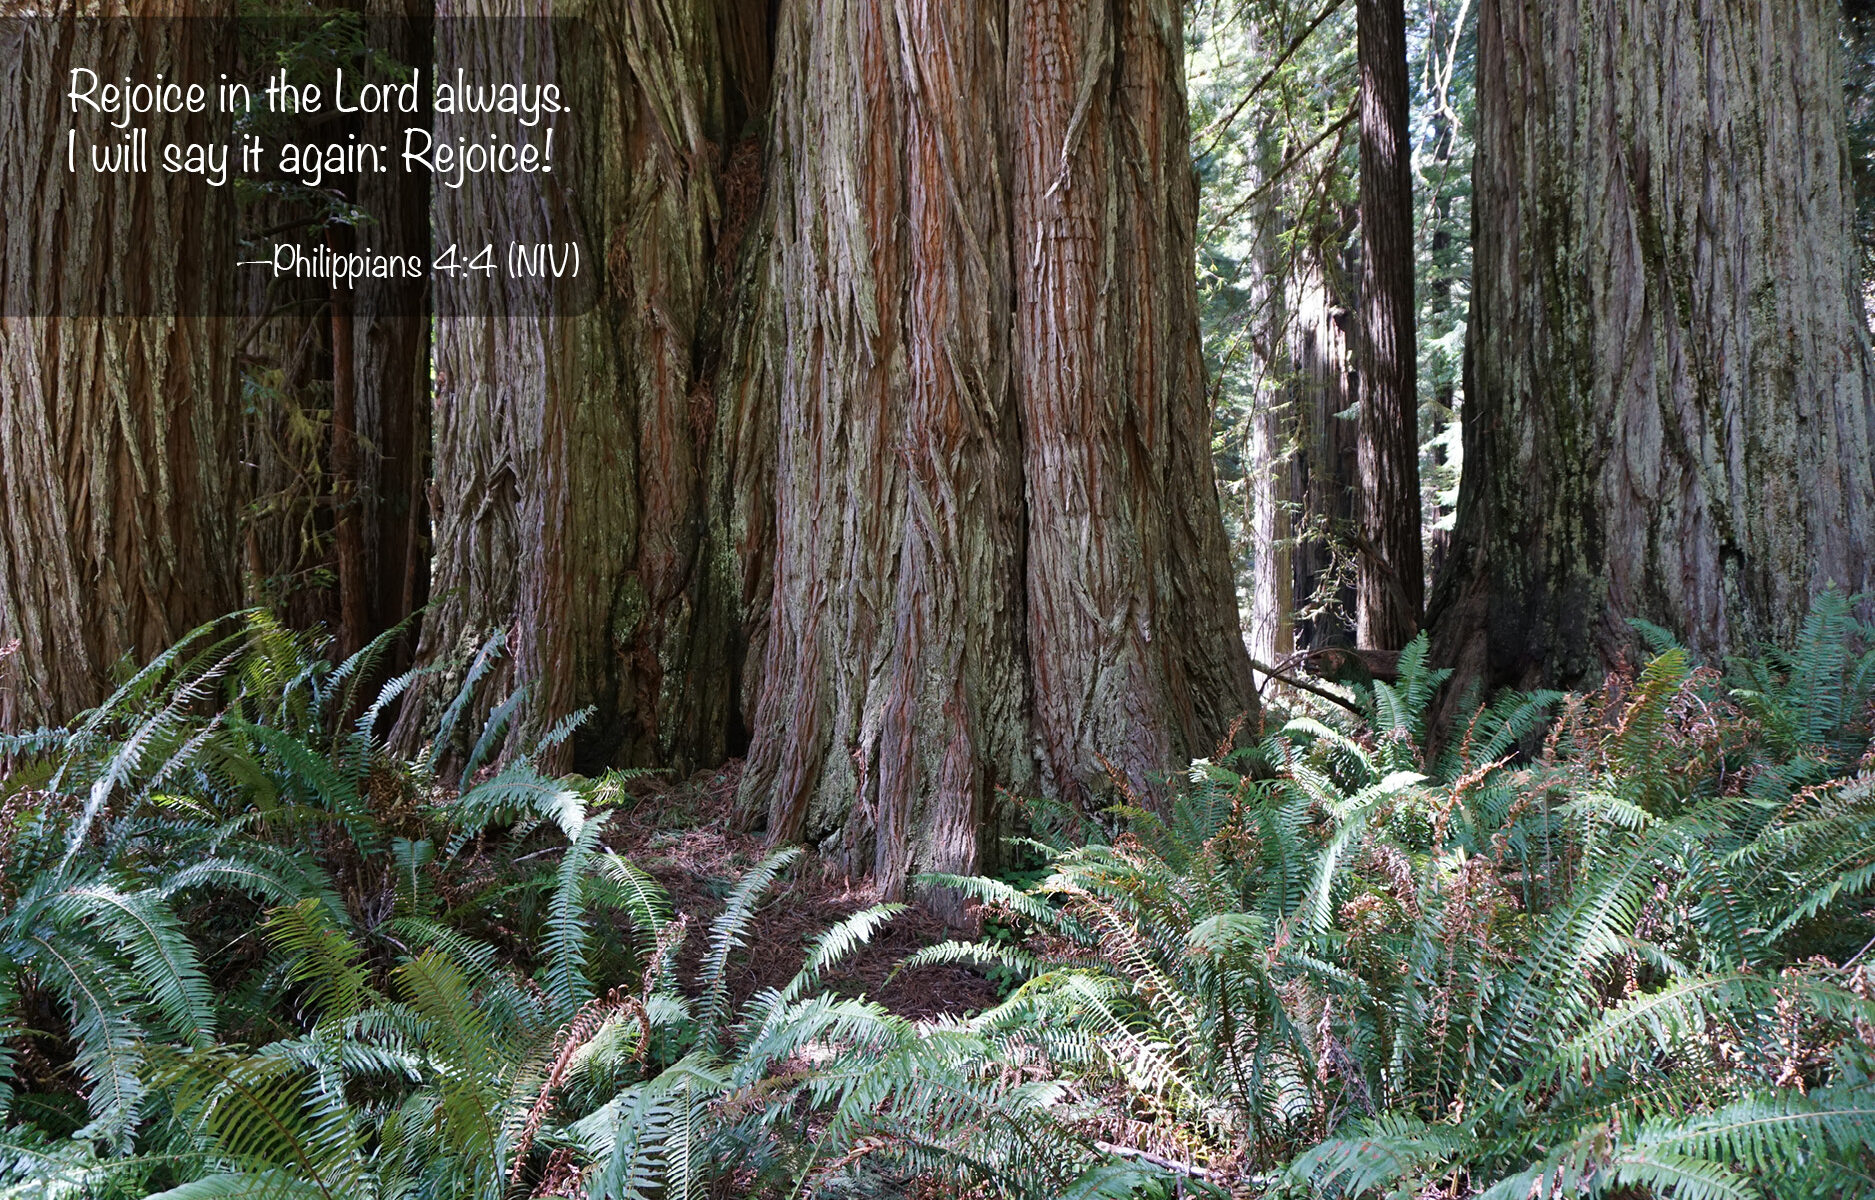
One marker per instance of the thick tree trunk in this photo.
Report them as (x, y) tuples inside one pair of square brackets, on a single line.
[(1668, 404), (1391, 564), (998, 555), (1133, 630), (572, 448), (893, 699), (118, 411)]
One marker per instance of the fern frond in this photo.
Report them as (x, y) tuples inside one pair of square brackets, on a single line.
[(836, 943), (730, 930), (100, 999), (322, 957), (162, 957)]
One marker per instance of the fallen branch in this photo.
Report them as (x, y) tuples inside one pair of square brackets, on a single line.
[(1188, 1170), (1304, 685)]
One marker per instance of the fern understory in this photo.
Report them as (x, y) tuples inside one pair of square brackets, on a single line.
[(1612, 944)]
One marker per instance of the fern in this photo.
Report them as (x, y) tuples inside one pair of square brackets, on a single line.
[(1593, 948)]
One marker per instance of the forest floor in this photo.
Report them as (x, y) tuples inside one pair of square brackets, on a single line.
[(684, 835)]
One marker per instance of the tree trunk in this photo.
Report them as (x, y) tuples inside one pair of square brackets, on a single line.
[(391, 362), (1305, 483), (1324, 476), (1133, 631), (118, 411), (1391, 565), (998, 556), (572, 447), (348, 541), (1133, 625), (1668, 403), (1305, 497), (892, 700), (1271, 466)]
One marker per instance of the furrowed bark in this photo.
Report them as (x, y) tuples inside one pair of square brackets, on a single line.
[(116, 432), (1391, 568), (695, 182), (1132, 625), (819, 417), (1668, 403), (998, 556), (391, 368), (572, 448), (892, 698)]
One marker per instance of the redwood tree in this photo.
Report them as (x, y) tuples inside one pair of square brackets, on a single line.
[(118, 411), (1391, 584), (901, 394), (1302, 597), (574, 436), (1133, 629), (337, 378), (998, 558), (892, 695), (390, 369), (1668, 408)]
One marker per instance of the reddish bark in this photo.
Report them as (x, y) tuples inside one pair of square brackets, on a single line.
[(1391, 585), (118, 402), (998, 555)]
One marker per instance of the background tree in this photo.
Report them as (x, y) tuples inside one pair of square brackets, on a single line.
[(337, 380), (1443, 48), (1278, 272), (1669, 414), (390, 369), (1391, 565), (118, 404), (1276, 95)]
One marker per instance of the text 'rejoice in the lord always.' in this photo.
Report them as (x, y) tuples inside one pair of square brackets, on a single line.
[(450, 161)]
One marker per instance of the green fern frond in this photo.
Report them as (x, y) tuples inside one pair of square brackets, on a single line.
[(730, 930), (101, 1002), (163, 959), (1383, 1153), (322, 957), (837, 943)]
